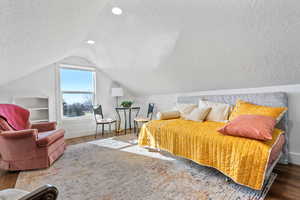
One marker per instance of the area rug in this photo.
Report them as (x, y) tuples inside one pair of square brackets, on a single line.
[(112, 169)]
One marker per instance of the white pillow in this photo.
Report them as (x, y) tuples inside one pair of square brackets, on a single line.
[(185, 109), (219, 111), (198, 114)]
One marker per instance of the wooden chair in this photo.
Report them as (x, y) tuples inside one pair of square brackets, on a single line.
[(100, 120), (143, 120)]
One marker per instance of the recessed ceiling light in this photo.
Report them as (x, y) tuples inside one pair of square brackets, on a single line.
[(116, 11), (90, 42)]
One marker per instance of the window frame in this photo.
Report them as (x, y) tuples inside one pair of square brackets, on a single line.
[(61, 92)]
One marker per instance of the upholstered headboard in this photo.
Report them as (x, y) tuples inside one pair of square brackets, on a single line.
[(276, 99)]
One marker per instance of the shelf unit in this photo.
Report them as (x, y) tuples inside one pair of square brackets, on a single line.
[(38, 107)]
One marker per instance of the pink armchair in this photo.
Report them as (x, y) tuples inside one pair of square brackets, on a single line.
[(33, 148)]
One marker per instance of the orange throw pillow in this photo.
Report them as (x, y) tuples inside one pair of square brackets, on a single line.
[(250, 126)]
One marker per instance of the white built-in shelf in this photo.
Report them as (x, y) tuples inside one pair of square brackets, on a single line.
[(38, 107)]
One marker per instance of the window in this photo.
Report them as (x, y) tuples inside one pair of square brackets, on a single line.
[(77, 87)]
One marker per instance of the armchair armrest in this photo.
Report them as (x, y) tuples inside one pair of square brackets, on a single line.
[(20, 134), (48, 192), (44, 126)]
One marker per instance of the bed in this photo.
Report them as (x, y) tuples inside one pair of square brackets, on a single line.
[(156, 133)]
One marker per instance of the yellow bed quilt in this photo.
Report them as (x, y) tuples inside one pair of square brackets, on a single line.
[(243, 160)]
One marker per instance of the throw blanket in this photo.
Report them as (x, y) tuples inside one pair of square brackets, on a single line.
[(16, 116), (243, 160)]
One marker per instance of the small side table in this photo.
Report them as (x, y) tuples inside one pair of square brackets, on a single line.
[(127, 115)]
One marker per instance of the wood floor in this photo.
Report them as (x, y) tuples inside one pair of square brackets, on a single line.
[(285, 187)]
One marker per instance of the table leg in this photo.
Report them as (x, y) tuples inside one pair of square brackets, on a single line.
[(116, 129), (119, 126), (125, 121), (129, 121)]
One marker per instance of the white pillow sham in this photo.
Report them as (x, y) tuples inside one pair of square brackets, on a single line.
[(198, 114), (185, 109), (219, 111)]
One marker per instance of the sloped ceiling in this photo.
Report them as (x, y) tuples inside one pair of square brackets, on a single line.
[(36, 33), (162, 46)]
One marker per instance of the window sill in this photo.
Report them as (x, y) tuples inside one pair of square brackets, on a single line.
[(72, 119)]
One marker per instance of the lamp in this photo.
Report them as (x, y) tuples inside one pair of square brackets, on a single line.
[(117, 92)]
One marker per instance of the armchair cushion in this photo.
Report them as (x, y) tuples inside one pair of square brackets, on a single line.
[(44, 126), (49, 137)]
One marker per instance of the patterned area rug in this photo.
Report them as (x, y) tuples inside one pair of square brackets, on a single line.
[(115, 169)]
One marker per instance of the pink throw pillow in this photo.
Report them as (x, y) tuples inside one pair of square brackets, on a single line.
[(250, 126)]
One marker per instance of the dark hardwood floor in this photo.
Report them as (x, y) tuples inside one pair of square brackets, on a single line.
[(285, 187)]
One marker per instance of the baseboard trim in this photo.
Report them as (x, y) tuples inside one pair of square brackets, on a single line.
[(79, 134), (294, 158), (89, 133)]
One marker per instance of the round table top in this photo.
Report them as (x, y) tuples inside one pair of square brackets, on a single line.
[(127, 108)]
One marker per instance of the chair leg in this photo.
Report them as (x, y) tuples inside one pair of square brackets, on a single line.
[(134, 126), (102, 129), (96, 131), (116, 129)]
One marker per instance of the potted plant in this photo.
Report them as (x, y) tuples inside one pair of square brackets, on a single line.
[(126, 104)]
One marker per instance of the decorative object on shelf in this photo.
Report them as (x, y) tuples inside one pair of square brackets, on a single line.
[(117, 92), (37, 105), (126, 104)]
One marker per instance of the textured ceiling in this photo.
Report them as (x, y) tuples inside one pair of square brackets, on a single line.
[(166, 46), (35, 33)]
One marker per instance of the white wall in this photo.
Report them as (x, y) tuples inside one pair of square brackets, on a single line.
[(44, 82), (168, 101)]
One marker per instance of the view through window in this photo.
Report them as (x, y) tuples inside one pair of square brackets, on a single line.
[(77, 92)]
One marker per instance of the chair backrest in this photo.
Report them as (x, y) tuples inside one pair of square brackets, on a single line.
[(135, 110), (150, 110), (48, 192), (98, 111)]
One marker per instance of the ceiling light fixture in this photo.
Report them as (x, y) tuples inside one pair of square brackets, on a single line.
[(90, 42), (116, 11)]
